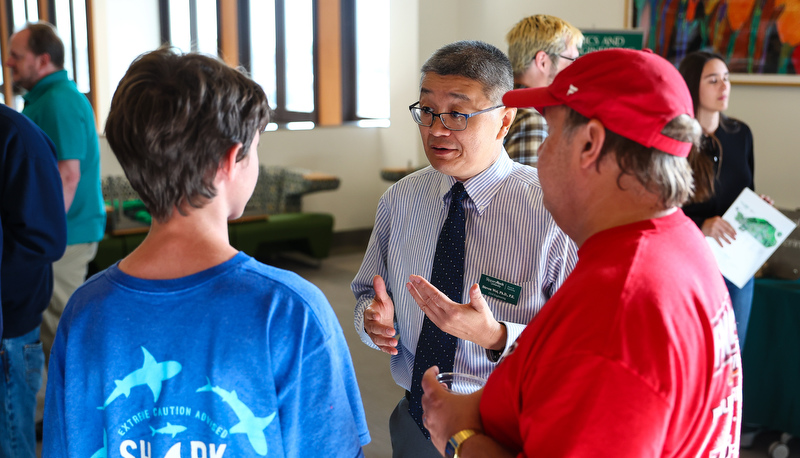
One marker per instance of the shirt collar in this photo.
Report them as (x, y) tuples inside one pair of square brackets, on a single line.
[(482, 187), (41, 87)]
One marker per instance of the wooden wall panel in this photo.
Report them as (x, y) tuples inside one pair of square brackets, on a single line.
[(8, 90), (329, 62), (229, 35)]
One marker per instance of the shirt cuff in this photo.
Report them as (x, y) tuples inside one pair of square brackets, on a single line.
[(513, 330)]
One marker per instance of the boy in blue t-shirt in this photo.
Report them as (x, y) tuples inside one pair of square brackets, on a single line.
[(187, 347)]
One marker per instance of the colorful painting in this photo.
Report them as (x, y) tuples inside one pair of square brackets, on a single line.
[(756, 37)]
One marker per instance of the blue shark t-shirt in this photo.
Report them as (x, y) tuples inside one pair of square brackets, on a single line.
[(238, 360)]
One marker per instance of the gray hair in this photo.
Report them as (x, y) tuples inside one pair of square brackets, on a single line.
[(666, 175), (475, 60)]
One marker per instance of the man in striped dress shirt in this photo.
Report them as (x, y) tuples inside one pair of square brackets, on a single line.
[(511, 240), (636, 355)]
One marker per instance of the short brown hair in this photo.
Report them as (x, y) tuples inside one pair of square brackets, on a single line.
[(44, 39), (536, 33), (172, 119), (666, 175)]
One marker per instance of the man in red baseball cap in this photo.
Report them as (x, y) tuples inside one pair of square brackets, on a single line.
[(636, 354)]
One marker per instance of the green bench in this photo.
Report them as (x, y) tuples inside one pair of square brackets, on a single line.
[(273, 220)]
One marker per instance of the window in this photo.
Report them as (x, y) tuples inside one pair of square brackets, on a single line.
[(262, 62), (281, 55), (190, 25), (278, 43), (23, 11), (70, 18), (372, 59), (365, 62)]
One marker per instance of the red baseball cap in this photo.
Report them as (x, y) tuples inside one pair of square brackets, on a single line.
[(633, 93)]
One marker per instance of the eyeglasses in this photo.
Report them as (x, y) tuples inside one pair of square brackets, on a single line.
[(451, 121), (571, 59)]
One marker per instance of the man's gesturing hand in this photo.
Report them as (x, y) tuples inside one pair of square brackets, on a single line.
[(379, 318), (474, 321)]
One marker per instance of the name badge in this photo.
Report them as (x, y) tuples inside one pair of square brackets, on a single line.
[(499, 289)]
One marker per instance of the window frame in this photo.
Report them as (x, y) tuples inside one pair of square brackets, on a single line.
[(280, 114), (166, 33), (47, 12), (349, 63)]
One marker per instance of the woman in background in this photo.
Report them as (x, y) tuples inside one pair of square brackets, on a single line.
[(724, 165)]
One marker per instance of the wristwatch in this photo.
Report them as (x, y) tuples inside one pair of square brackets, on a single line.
[(453, 447)]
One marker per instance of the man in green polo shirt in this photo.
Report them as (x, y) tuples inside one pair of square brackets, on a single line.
[(53, 102)]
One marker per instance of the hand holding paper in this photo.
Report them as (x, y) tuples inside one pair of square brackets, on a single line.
[(760, 229), (720, 230)]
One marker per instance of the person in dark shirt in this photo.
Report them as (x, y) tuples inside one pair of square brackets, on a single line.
[(34, 232), (724, 167)]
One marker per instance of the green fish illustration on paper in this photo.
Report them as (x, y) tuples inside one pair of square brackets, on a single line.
[(760, 229)]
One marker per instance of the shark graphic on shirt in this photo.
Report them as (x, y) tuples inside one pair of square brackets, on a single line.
[(248, 423), (152, 374), (170, 429)]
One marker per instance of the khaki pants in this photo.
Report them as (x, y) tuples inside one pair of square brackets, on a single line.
[(69, 273)]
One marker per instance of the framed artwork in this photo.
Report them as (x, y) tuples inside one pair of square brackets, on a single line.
[(758, 38)]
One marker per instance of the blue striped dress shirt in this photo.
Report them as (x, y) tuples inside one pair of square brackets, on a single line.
[(509, 235)]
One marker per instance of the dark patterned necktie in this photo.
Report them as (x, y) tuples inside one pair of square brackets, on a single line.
[(436, 347)]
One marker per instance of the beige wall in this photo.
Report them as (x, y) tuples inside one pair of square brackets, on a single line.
[(417, 29), (772, 114)]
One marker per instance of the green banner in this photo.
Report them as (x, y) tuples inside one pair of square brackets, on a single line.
[(595, 40)]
